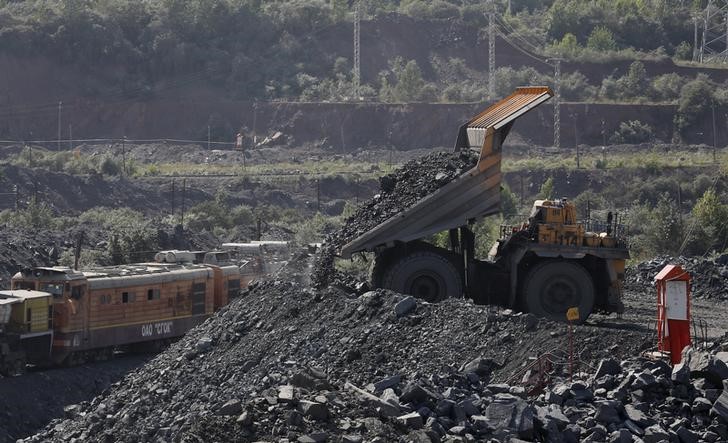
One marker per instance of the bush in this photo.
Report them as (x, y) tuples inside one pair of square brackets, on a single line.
[(666, 87), (36, 215), (546, 191), (88, 258), (711, 215), (684, 51), (568, 47), (656, 230), (110, 167), (601, 39), (507, 79), (632, 132), (696, 97), (404, 83), (433, 9), (575, 86)]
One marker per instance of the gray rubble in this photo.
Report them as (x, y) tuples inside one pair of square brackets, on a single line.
[(709, 276), (286, 363)]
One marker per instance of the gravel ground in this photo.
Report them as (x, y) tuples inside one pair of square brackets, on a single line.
[(709, 276), (29, 402)]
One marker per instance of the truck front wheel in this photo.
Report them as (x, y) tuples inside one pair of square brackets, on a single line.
[(426, 274), (552, 287)]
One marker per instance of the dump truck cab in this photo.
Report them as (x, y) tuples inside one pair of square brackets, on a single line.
[(558, 262), (546, 265)]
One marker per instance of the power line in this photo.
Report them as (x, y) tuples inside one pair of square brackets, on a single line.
[(512, 31), (520, 49)]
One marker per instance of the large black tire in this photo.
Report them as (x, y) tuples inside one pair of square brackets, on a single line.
[(426, 274), (552, 287)]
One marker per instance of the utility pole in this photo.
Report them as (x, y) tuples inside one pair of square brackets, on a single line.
[(574, 118), (255, 120), (70, 137), (123, 155), (173, 196), (208, 137), (60, 105), (557, 104), (184, 189), (356, 77), (491, 52), (715, 156)]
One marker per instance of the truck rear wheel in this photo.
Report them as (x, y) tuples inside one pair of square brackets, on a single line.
[(426, 274), (553, 287)]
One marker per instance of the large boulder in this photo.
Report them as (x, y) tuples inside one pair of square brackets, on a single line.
[(706, 365), (508, 412)]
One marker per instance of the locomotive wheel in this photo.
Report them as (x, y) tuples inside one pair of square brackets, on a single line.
[(425, 274), (553, 287)]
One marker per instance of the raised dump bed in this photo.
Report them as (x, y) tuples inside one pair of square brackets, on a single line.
[(473, 195)]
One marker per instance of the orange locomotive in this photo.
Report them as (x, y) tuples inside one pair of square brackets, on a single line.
[(95, 311)]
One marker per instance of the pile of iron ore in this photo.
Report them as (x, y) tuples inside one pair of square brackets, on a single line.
[(287, 363), (398, 191)]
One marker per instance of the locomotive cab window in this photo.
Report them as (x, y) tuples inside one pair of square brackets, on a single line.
[(24, 285), (153, 294), (76, 292), (54, 288)]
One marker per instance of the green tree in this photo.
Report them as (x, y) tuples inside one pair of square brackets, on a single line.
[(632, 132), (408, 86), (695, 99), (546, 191), (601, 39), (666, 87), (568, 46), (575, 86), (339, 9), (634, 83), (712, 216), (664, 233), (684, 51)]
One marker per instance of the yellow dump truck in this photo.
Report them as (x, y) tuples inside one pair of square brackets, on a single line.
[(546, 265), (26, 329)]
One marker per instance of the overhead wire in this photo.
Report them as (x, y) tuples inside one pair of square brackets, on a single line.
[(512, 31), (520, 49)]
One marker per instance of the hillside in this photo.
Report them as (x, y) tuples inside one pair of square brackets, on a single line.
[(170, 70)]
